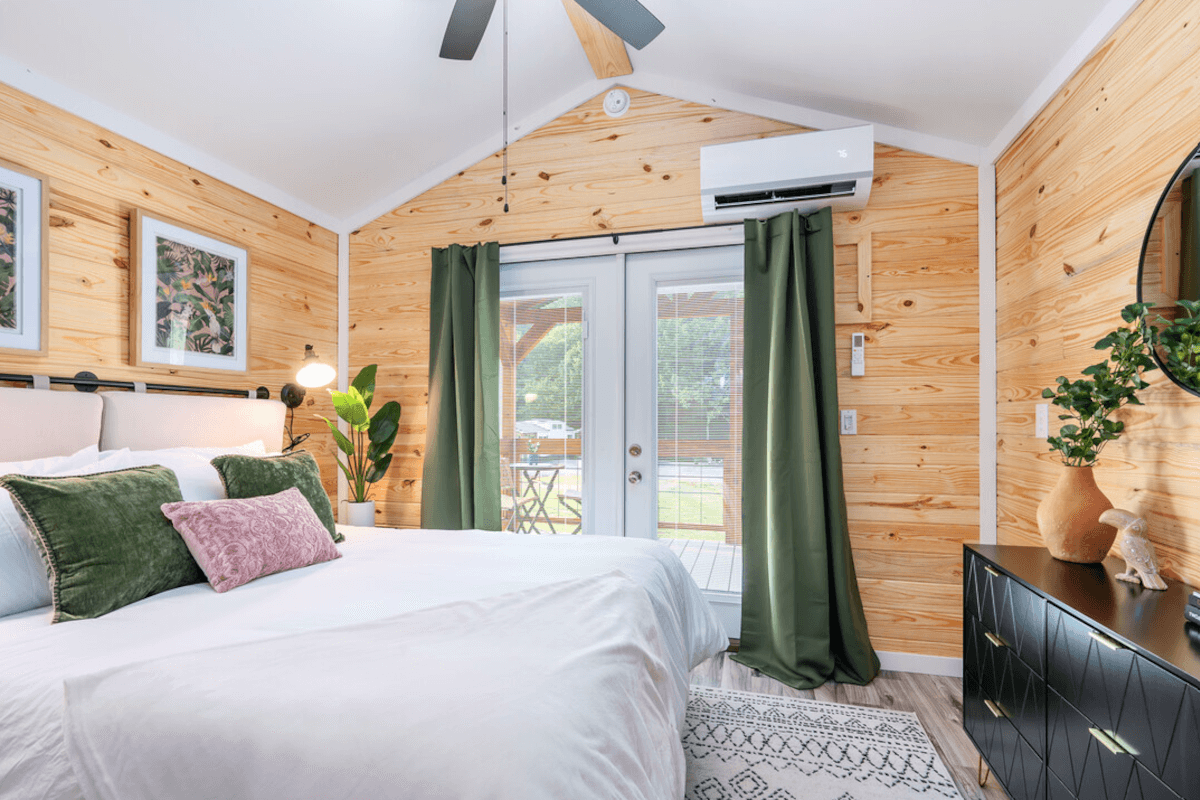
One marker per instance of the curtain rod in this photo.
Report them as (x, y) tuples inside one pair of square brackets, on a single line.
[(88, 382), (616, 235)]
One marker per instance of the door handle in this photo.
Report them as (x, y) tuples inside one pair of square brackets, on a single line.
[(997, 712), (990, 570), (994, 639), (635, 450), (635, 477)]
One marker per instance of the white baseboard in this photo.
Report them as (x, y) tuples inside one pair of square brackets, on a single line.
[(915, 662)]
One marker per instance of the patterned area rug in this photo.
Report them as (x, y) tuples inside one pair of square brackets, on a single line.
[(743, 746)]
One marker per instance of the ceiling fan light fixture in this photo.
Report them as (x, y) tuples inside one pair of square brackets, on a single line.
[(616, 102)]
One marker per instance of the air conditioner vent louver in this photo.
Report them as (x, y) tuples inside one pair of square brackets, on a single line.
[(806, 171), (815, 192)]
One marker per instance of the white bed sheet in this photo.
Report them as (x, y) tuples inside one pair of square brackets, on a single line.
[(382, 573)]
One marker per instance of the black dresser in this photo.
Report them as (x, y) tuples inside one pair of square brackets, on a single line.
[(1075, 684)]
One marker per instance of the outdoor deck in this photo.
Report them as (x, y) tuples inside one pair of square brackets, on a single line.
[(715, 566)]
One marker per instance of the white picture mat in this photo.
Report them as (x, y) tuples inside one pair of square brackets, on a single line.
[(152, 230), (28, 261)]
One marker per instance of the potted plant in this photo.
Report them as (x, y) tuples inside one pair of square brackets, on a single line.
[(366, 449), (1068, 517)]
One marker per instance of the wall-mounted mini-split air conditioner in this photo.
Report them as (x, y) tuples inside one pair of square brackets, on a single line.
[(805, 171)]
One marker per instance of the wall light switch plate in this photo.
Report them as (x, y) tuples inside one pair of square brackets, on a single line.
[(1041, 426), (849, 422), (857, 359)]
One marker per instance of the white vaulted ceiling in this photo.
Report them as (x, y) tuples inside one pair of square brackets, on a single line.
[(333, 107)]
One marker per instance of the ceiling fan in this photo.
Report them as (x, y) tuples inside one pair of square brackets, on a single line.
[(628, 19)]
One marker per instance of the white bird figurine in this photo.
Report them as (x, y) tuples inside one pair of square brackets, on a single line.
[(1141, 565)]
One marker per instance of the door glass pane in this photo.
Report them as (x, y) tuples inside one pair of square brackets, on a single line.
[(541, 413), (699, 370)]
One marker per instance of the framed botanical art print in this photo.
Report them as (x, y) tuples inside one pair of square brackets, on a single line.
[(189, 297), (24, 260)]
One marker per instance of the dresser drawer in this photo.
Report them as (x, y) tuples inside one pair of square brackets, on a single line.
[(1006, 680), (1014, 763), (1181, 768), (1089, 764), (1008, 609), (1150, 712), (1086, 667)]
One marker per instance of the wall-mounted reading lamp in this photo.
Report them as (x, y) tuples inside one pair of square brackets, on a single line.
[(313, 373)]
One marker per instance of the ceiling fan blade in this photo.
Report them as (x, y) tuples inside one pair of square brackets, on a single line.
[(468, 21), (628, 19)]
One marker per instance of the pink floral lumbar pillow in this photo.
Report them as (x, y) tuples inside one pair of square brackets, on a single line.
[(236, 541)]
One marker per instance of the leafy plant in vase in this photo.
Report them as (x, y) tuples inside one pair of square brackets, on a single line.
[(1068, 517), (367, 448)]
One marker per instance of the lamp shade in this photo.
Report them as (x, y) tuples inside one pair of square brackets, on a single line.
[(313, 372)]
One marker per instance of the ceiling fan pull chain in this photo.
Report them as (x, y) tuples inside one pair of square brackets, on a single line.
[(504, 177)]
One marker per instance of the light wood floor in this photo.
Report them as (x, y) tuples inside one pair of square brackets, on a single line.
[(937, 702)]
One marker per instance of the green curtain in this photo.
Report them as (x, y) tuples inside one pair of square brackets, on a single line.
[(802, 618), (460, 487)]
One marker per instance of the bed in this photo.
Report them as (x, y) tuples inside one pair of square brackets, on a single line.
[(419, 664)]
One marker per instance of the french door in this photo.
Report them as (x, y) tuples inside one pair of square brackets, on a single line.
[(621, 393)]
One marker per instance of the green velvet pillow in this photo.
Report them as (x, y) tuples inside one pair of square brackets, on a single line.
[(106, 540), (255, 476)]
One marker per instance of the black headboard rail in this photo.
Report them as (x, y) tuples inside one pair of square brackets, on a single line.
[(88, 382)]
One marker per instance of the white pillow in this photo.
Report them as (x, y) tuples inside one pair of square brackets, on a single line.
[(198, 478), (23, 580)]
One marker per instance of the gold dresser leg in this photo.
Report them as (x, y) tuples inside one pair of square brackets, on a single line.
[(982, 773)]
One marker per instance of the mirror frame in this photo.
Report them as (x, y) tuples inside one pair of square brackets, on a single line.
[(1175, 176)]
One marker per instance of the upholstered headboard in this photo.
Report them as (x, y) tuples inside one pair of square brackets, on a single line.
[(36, 423), (153, 421)]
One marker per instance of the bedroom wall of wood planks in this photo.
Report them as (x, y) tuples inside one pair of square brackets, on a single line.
[(912, 471), (1074, 195), (96, 179)]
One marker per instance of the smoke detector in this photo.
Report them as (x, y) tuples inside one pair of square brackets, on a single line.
[(616, 102)]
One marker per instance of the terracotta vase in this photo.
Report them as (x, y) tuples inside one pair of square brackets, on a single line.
[(1069, 518)]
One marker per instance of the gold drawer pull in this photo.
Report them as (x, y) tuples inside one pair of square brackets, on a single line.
[(1107, 641), (993, 638), (997, 712), (1106, 740), (991, 571)]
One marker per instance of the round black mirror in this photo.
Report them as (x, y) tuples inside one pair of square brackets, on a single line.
[(1169, 275)]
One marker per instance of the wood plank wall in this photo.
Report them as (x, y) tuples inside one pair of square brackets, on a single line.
[(96, 179), (1074, 195), (912, 472)]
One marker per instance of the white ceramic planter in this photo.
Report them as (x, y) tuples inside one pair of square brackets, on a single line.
[(361, 515)]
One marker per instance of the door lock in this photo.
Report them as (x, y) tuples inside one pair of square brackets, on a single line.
[(635, 450), (635, 477)]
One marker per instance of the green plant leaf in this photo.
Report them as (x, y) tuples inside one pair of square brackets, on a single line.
[(364, 383), (384, 427), (378, 469), (350, 407), (344, 444)]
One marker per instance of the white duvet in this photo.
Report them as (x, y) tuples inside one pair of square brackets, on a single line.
[(520, 721)]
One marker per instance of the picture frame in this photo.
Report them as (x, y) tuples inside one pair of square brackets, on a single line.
[(24, 261), (189, 297)]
